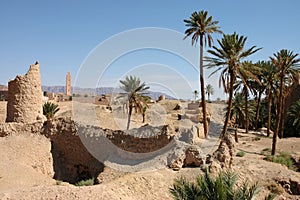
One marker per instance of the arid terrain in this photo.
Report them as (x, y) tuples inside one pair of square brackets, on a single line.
[(26, 167)]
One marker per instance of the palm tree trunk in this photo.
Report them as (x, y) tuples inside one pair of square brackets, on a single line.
[(269, 111), (202, 88), (129, 116), (278, 116), (282, 116), (246, 110), (232, 78), (257, 110)]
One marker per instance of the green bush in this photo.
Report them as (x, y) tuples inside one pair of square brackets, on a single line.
[(283, 158), (241, 154), (223, 187), (87, 182), (50, 109)]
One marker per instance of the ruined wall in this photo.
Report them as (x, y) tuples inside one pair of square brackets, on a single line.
[(139, 141), (71, 160), (25, 97)]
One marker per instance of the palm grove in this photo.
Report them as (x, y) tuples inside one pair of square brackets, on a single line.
[(240, 77)]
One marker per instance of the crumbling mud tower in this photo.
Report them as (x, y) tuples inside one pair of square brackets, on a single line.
[(68, 84), (25, 97)]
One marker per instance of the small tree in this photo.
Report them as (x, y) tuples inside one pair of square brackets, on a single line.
[(49, 110), (209, 90), (135, 94), (196, 94)]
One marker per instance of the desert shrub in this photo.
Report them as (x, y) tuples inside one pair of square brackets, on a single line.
[(283, 158), (87, 182), (240, 154), (50, 109), (223, 187)]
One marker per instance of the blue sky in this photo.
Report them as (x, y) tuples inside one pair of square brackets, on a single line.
[(61, 34)]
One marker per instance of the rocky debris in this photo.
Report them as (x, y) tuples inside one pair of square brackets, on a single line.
[(178, 107), (161, 97), (25, 97), (224, 154), (291, 185), (19, 128), (193, 156)]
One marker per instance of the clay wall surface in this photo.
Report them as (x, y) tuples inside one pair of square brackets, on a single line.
[(25, 97)]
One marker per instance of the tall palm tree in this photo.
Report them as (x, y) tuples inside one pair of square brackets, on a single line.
[(247, 76), (259, 89), (209, 91), (228, 58), (287, 63), (135, 91), (270, 78), (201, 26)]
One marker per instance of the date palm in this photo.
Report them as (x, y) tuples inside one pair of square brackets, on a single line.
[(209, 91), (287, 64), (201, 26), (228, 58), (270, 77), (135, 93), (49, 110), (247, 76), (223, 187)]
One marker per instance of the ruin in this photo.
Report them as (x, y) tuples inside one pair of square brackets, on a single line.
[(25, 97), (68, 84)]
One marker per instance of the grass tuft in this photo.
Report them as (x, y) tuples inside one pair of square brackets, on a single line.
[(240, 154), (87, 182)]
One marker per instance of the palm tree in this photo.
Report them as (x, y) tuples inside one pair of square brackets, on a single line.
[(196, 93), (135, 91), (201, 26), (209, 91), (223, 187), (259, 89), (287, 64), (49, 110), (293, 117), (228, 59), (270, 77), (246, 78)]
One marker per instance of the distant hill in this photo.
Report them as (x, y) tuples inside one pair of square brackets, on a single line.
[(98, 91)]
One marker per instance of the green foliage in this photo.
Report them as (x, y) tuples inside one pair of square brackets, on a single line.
[(135, 95), (241, 154), (223, 187), (70, 98), (238, 111), (293, 120), (283, 158), (50, 109), (87, 182)]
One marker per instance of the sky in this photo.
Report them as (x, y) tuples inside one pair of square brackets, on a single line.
[(65, 35)]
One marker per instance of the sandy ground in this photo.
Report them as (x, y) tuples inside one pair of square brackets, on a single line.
[(26, 171)]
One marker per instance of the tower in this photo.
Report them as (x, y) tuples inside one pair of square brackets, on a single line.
[(68, 84)]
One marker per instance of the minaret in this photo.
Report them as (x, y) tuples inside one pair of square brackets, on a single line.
[(68, 84)]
